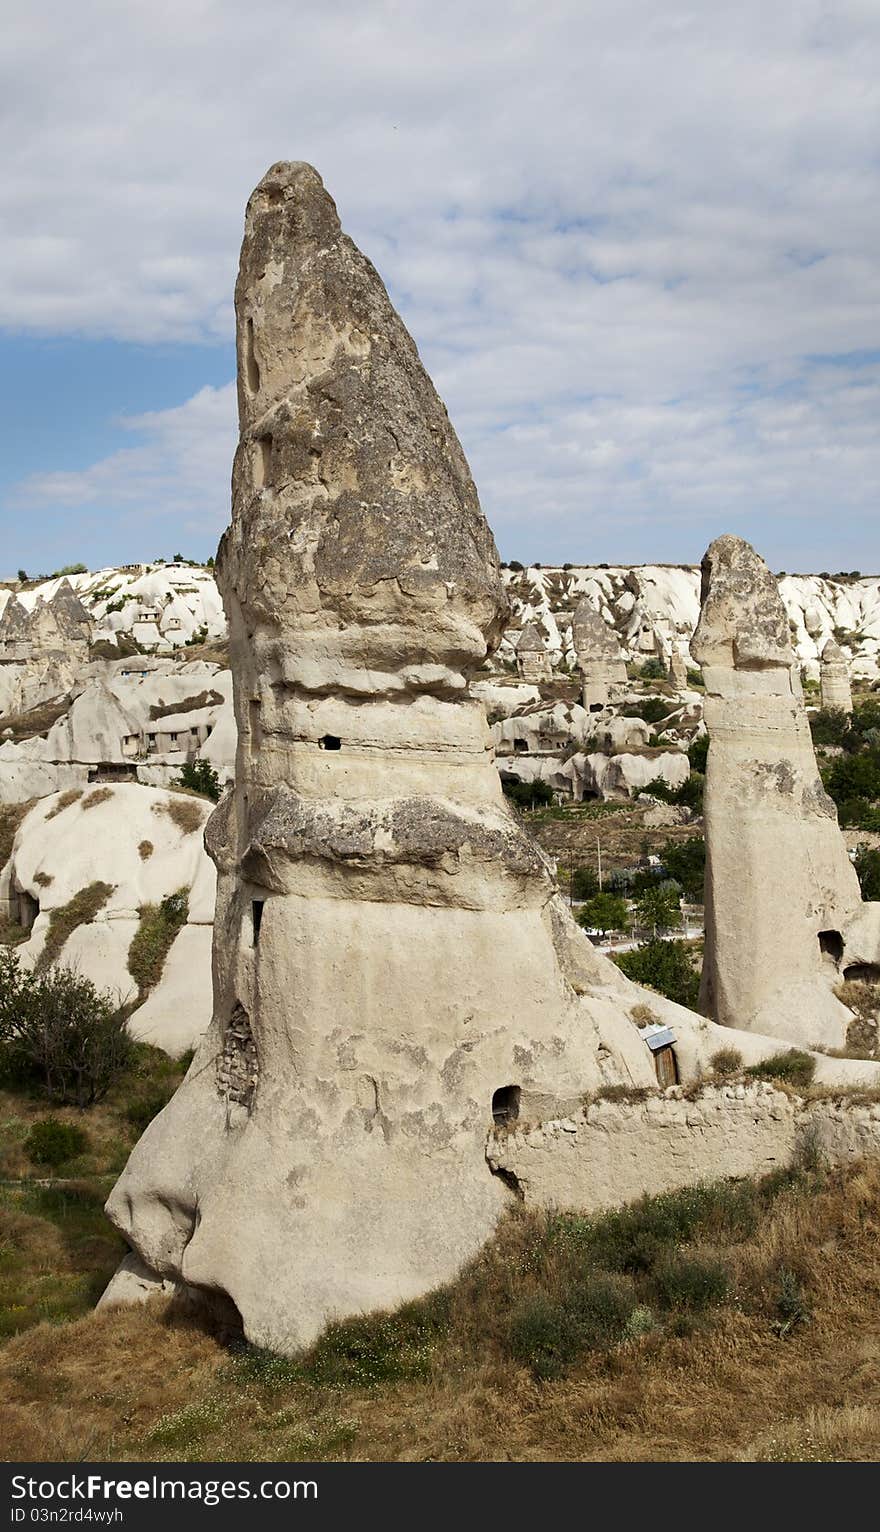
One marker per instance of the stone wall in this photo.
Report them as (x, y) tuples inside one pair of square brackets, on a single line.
[(614, 1151)]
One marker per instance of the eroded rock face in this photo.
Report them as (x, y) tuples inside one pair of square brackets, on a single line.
[(834, 678), (599, 656), (780, 890), (390, 950)]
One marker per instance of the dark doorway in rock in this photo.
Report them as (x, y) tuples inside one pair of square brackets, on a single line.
[(28, 909), (865, 973), (596, 707), (329, 742), (505, 1104), (665, 1067), (831, 944), (521, 746), (257, 915)]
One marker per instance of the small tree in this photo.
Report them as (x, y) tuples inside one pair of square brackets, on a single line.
[(659, 908), (584, 883), (685, 861), (867, 865), (604, 913), (57, 1029), (664, 966), (199, 777)]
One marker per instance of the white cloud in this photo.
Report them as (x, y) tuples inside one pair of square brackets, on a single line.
[(175, 480), (623, 235)]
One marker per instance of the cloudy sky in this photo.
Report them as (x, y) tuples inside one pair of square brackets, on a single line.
[(636, 243)]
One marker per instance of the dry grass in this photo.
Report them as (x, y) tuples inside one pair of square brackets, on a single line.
[(100, 795), (11, 816), (36, 720), (145, 850), (72, 795), (44, 879), (184, 810), (63, 921), (208, 698), (150, 1384)]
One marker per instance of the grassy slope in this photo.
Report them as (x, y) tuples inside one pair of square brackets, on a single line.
[(438, 1382)]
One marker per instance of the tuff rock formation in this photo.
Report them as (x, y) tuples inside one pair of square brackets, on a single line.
[(598, 655), (834, 678), (394, 967), (532, 659), (678, 674), (392, 960), (780, 890)]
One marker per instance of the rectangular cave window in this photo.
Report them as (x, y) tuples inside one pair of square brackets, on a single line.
[(257, 915), (505, 1104)]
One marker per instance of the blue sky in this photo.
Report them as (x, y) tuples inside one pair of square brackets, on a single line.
[(636, 245)]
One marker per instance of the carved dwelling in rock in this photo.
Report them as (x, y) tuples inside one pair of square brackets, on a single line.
[(532, 659)]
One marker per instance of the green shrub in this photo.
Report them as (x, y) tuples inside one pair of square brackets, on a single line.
[(58, 1031), (653, 670), (378, 1348), (829, 726), (651, 709), (727, 1061), (528, 795), (151, 943), (690, 1281), (867, 866), (199, 777), (794, 1067), (688, 795), (790, 1301), (659, 908), (685, 861), (543, 1336), (604, 912), (698, 753), (584, 883), (52, 1142), (664, 966), (632, 1238)]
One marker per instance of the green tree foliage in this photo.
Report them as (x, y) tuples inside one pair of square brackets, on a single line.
[(664, 966), (659, 908), (650, 709), (199, 777), (653, 670), (698, 750), (685, 861), (53, 1142), (584, 883), (829, 726), (604, 912), (867, 865), (59, 1032), (528, 795), (690, 793)]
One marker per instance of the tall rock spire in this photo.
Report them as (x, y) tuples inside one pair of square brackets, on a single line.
[(780, 890), (394, 967)]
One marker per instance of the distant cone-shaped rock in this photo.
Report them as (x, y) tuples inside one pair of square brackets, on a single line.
[(780, 890), (392, 960), (834, 678)]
